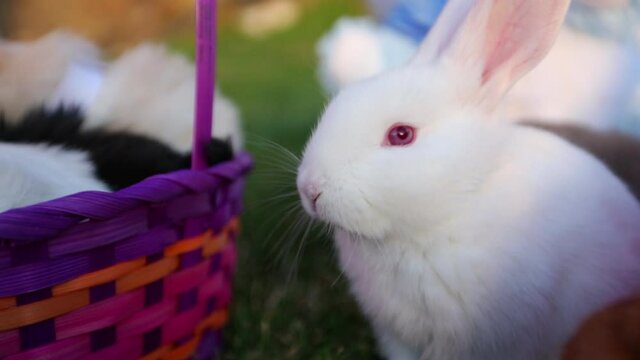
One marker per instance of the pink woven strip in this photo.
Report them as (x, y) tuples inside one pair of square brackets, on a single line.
[(224, 297), (182, 325), (100, 315), (9, 343), (213, 286), (190, 278), (147, 319), (125, 349), (68, 349), (230, 257)]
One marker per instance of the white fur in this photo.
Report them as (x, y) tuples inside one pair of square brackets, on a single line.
[(150, 91), (31, 72), (483, 239), (358, 48), (583, 80), (559, 89), (147, 91), (34, 173), (79, 87)]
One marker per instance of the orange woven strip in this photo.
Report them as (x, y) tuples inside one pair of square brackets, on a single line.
[(17, 317), (233, 225), (7, 302), (214, 321), (147, 275), (185, 246), (99, 277), (158, 354), (184, 351), (213, 245)]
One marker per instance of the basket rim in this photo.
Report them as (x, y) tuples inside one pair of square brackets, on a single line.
[(18, 226)]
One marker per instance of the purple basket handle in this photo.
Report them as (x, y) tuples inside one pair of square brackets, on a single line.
[(205, 79)]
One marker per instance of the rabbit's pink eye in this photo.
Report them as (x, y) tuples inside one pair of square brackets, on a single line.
[(401, 135)]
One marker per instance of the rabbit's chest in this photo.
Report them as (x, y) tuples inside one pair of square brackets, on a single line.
[(426, 303), (462, 300)]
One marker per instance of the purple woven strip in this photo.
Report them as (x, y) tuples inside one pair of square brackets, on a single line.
[(36, 276), (152, 340), (146, 244), (188, 206), (205, 79), (102, 292), (124, 349), (30, 253), (93, 234), (103, 338), (5, 258), (154, 293), (196, 226), (191, 259), (215, 263), (37, 335), (210, 346), (102, 257), (53, 217), (68, 349), (187, 300)]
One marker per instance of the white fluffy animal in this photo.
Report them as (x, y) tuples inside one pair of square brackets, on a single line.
[(147, 91), (31, 73), (584, 79), (463, 235), (34, 173)]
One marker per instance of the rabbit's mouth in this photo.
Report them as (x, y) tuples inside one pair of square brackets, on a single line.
[(351, 215)]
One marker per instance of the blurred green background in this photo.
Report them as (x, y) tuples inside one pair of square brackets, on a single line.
[(291, 301)]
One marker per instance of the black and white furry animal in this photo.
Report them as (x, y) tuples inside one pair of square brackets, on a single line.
[(147, 91), (46, 155)]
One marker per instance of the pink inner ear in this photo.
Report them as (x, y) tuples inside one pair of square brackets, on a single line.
[(519, 34)]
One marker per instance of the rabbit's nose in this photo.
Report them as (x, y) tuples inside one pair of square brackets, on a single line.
[(310, 194), (314, 199)]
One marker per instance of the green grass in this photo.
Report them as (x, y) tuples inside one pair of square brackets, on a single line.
[(277, 316)]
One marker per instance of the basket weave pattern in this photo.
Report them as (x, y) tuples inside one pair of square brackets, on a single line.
[(141, 273)]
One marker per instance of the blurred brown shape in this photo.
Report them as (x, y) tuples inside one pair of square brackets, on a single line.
[(113, 24), (612, 334)]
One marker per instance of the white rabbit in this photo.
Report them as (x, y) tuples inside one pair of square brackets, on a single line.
[(464, 235), (585, 79)]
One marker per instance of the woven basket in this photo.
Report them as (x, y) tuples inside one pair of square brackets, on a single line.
[(141, 273)]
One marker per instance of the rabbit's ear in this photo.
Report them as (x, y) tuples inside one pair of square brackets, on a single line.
[(495, 42)]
